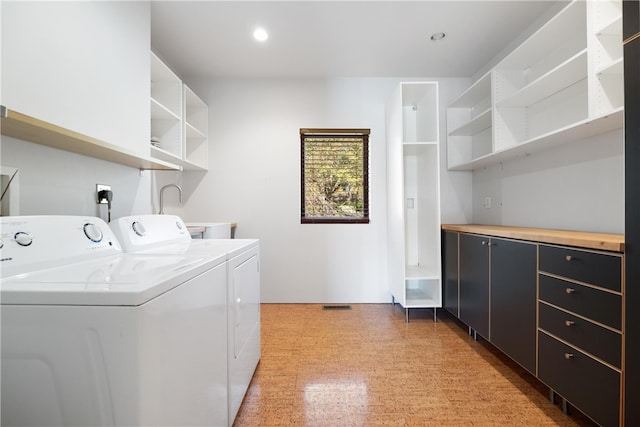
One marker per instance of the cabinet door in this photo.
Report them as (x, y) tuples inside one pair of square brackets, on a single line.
[(474, 282), (630, 18), (83, 66), (450, 271), (513, 300)]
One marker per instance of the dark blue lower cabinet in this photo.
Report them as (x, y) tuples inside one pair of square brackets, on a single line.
[(474, 282), (450, 272), (584, 382)]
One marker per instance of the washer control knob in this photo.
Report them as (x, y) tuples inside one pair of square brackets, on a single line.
[(138, 228), (22, 238), (93, 232), (179, 225)]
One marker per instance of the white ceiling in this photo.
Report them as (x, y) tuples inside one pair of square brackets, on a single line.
[(337, 38)]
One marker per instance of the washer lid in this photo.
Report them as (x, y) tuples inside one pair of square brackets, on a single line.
[(122, 280)]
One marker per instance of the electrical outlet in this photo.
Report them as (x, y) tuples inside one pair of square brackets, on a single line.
[(99, 188), (487, 202)]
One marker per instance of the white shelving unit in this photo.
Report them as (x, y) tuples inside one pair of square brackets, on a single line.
[(562, 83), (196, 126), (413, 191), (469, 120), (178, 118), (166, 112)]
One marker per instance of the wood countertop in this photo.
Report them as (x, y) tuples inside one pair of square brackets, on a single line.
[(581, 239)]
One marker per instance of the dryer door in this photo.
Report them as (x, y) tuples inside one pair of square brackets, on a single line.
[(244, 325)]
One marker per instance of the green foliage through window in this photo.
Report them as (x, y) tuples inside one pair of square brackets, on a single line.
[(335, 175)]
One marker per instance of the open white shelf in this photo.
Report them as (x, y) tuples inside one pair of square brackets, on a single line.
[(474, 126), (159, 153), (614, 67), (564, 75), (611, 27), (574, 132), (418, 272)]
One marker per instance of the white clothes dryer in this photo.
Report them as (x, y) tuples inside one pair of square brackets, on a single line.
[(167, 234), (94, 337)]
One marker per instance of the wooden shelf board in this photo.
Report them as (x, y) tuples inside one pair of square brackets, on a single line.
[(581, 239), (27, 128)]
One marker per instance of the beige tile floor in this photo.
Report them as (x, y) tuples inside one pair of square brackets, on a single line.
[(367, 367)]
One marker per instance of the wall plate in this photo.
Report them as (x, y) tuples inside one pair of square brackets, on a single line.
[(99, 188)]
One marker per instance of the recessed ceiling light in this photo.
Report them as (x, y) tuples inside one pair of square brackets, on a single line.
[(437, 36), (260, 34)]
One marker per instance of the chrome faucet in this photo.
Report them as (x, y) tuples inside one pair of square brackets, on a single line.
[(162, 192)]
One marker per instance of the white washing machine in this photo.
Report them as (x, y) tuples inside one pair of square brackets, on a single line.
[(94, 337), (167, 234)]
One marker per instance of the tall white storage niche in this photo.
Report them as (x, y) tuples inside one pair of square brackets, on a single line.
[(413, 195)]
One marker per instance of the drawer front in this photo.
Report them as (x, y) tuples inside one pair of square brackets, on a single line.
[(598, 269), (603, 307), (587, 384), (593, 339)]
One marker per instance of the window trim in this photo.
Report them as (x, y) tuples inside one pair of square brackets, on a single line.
[(334, 132)]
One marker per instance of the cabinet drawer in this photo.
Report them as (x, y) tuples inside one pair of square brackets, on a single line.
[(596, 340), (601, 306), (586, 383), (599, 269)]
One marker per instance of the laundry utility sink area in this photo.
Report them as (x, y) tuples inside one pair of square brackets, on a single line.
[(209, 230), (465, 184)]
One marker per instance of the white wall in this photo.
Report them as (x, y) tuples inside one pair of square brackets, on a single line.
[(254, 180), (56, 182), (171, 200), (577, 186)]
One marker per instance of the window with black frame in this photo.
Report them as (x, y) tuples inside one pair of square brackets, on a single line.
[(334, 176)]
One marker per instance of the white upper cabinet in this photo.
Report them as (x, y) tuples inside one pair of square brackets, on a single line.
[(561, 84), (81, 66), (179, 120)]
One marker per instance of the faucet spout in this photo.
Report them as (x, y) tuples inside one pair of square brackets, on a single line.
[(162, 190)]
